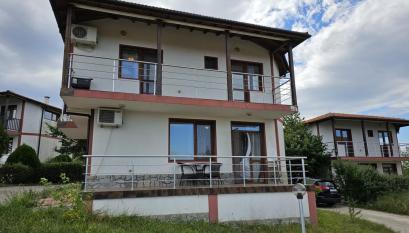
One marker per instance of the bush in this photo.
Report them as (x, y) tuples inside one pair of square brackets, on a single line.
[(26, 155), (60, 158), (17, 174), (394, 202), (364, 184), (52, 171)]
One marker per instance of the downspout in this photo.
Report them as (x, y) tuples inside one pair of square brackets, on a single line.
[(39, 135)]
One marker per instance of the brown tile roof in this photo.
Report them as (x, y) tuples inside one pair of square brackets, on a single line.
[(331, 115), (46, 106)]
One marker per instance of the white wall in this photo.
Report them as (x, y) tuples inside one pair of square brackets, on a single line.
[(153, 206), (32, 118), (147, 134), (181, 48), (259, 206)]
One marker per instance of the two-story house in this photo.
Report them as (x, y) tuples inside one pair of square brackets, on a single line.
[(25, 121), (184, 111), (368, 140)]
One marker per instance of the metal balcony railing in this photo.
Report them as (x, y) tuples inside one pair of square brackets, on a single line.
[(404, 149), (133, 172), (12, 124), (361, 149), (130, 76)]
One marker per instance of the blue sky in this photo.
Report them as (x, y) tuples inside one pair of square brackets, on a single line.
[(357, 60)]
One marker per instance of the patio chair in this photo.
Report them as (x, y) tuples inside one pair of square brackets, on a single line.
[(216, 174), (188, 178)]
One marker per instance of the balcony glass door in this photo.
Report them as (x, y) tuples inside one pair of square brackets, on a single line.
[(247, 142), (139, 64), (246, 78), (385, 143), (344, 143)]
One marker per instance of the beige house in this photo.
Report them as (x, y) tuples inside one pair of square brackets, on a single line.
[(368, 140)]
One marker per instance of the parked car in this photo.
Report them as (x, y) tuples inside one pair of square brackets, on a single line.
[(326, 192)]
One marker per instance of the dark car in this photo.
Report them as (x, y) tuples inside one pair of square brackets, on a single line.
[(326, 192)]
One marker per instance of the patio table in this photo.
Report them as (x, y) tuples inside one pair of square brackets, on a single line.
[(198, 169)]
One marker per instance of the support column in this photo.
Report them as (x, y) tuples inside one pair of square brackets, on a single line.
[(67, 48), (364, 137), (292, 75), (4, 120), (390, 139), (228, 67), (334, 136), (273, 85), (159, 27)]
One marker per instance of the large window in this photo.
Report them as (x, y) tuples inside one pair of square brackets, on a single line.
[(136, 64), (191, 139), (11, 112), (50, 116), (343, 138)]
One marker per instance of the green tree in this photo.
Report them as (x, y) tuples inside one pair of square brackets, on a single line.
[(4, 140), (69, 147), (299, 141)]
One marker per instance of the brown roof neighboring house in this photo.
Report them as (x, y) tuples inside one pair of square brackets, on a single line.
[(328, 116), (46, 106)]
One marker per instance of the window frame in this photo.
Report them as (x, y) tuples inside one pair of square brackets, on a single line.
[(195, 122), (53, 114), (246, 80), (370, 133), (211, 57)]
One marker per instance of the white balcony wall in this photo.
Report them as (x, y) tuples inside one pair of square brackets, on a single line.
[(180, 48), (147, 134)]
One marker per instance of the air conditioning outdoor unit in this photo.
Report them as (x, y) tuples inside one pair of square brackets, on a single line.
[(84, 35), (109, 117)]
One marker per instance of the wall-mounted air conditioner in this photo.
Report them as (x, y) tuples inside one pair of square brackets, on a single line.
[(109, 117), (84, 35)]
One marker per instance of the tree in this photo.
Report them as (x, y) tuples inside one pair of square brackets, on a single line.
[(4, 140), (69, 147), (299, 141)]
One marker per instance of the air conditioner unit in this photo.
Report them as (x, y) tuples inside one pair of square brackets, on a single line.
[(83, 35), (110, 117)]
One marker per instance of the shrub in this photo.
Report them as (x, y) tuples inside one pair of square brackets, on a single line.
[(394, 202), (53, 171), (26, 155), (17, 174), (364, 184), (60, 158)]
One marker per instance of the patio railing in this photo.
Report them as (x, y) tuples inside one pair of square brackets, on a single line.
[(136, 172), (140, 77)]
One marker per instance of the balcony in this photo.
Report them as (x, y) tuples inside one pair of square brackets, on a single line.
[(103, 75), (359, 149), (156, 172), (12, 124)]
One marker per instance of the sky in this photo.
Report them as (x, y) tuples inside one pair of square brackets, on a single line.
[(357, 60)]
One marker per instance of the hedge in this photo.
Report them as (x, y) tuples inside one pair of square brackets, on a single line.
[(22, 174), (52, 171), (26, 155), (17, 174), (365, 184)]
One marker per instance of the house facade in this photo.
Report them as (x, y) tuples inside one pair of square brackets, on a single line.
[(368, 140), (25, 121), (183, 111)]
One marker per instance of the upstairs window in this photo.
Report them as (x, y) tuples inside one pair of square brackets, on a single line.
[(11, 112), (211, 63), (50, 116), (370, 133)]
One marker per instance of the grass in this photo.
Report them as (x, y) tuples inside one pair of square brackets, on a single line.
[(22, 214), (397, 203)]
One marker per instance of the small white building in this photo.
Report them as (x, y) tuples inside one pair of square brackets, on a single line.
[(368, 140), (183, 111), (25, 121)]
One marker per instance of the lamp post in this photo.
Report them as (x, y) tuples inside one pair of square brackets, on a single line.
[(299, 191)]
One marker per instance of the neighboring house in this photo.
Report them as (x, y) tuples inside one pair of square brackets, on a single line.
[(25, 121), (175, 101), (368, 140)]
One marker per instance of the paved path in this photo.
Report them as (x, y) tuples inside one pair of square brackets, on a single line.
[(398, 223), (6, 192)]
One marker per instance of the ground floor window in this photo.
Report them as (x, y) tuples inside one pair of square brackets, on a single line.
[(191, 139), (389, 168)]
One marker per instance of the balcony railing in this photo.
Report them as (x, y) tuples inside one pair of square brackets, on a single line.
[(12, 124), (360, 149), (140, 77), (133, 172), (404, 149)]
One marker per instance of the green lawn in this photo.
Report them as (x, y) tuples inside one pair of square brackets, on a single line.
[(22, 214), (397, 203)]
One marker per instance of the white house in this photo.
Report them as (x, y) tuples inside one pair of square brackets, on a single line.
[(368, 140), (25, 121), (184, 111)]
